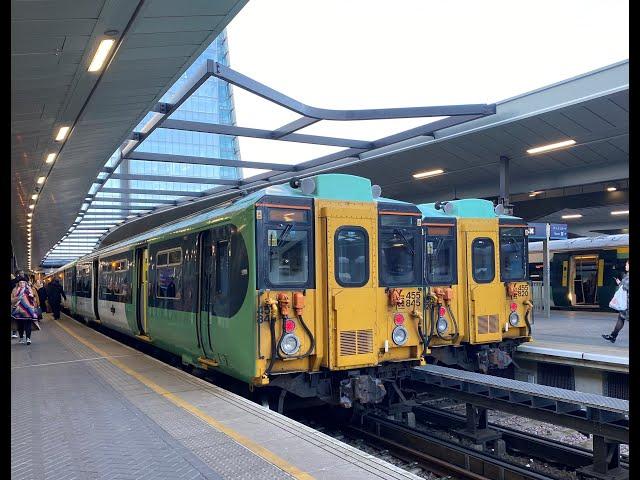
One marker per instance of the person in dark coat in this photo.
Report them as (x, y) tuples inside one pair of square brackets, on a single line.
[(55, 294), (42, 294)]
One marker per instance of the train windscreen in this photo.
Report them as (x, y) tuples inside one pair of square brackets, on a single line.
[(513, 254), (399, 240), (440, 251)]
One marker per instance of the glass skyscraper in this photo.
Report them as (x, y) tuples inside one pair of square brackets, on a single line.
[(211, 103)]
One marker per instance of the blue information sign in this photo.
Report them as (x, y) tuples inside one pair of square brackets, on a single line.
[(557, 231)]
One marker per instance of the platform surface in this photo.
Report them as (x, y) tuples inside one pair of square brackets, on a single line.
[(580, 333), (84, 406)]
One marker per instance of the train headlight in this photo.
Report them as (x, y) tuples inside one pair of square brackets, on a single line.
[(514, 319), (290, 344), (442, 325), (400, 335)]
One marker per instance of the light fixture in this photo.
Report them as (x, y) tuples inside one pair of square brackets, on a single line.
[(537, 192), (611, 189), (32, 207), (34, 196), (573, 215), (429, 173), (551, 146), (62, 134), (50, 158), (101, 54), (30, 214), (620, 212), (41, 180)]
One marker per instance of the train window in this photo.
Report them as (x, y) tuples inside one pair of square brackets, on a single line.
[(440, 251), (288, 261), (114, 281), (83, 281), (352, 256), (483, 260), (513, 254), (398, 250), (169, 273)]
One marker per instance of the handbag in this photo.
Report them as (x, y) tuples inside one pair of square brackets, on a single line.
[(619, 300)]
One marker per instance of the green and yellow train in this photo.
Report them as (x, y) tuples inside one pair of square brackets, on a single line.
[(317, 288)]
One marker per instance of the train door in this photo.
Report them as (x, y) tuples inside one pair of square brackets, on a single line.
[(142, 289), (351, 281), (95, 289), (485, 292), (584, 280), (214, 283)]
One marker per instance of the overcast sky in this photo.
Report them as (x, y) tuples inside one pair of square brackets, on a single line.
[(353, 54)]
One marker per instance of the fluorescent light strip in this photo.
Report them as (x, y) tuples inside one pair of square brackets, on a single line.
[(620, 212), (62, 134), (50, 158), (576, 215), (41, 180), (429, 173), (611, 189), (101, 54), (551, 146)]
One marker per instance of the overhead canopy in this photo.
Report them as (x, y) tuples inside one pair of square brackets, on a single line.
[(592, 109), (52, 45)]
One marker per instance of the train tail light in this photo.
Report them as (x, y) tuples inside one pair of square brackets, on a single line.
[(289, 325), (513, 306), (442, 312), (398, 319)]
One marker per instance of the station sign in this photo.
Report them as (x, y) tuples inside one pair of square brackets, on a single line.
[(537, 231)]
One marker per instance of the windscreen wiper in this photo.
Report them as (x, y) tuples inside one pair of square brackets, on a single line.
[(404, 239), (285, 234)]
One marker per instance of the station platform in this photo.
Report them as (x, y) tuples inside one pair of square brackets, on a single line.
[(576, 336), (84, 406)]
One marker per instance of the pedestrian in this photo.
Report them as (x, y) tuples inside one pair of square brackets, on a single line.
[(55, 294), (24, 303), (624, 314), (42, 294), (14, 282)]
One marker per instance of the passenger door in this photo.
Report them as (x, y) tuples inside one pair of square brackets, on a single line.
[(142, 290), (352, 281), (486, 292), (207, 276)]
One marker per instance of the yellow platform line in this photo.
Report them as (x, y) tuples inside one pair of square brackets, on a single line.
[(259, 450)]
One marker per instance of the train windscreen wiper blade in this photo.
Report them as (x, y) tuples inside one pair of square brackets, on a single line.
[(406, 242), (285, 234)]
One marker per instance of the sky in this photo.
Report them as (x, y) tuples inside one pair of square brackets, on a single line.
[(353, 54)]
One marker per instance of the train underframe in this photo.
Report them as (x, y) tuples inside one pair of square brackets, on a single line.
[(482, 358)]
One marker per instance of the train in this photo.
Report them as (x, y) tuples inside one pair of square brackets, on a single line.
[(582, 270), (320, 287)]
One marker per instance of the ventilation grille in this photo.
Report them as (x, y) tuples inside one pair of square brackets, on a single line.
[(356, 342), (553, 375), (488, 323), (617, 385)]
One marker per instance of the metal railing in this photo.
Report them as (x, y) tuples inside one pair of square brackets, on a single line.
[(537, 293)]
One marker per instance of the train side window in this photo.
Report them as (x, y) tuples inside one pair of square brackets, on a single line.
[(513, 254), (483, 260), (114, 281), (351, 256), (169, 274)]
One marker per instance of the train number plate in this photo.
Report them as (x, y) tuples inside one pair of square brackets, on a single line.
[(410, 299), (523, 290)]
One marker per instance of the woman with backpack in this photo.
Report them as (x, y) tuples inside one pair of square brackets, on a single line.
[(24, 308)]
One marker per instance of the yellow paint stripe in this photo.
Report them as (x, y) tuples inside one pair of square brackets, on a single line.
[(259, 450)]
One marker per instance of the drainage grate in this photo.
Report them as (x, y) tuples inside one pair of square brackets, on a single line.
[(554, 375), (616, 385)]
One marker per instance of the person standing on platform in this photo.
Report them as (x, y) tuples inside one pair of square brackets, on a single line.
[(24, 305), (55, 294), (42, 295), (624, 314)]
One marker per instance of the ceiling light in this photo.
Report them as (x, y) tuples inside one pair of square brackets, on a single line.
[(551, 146), (34, 196), (32, 207), (573, 215), (41, 180), (62, 134), (620, 212), (429, 173), (611, 189), (101, 54), (30, 214), (533, 194), (50, 158)]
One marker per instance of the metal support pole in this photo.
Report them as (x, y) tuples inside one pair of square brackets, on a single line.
[(546, 280), (504, 179)]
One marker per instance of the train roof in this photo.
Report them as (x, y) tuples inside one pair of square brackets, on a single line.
[(583, 243), (331, 186), (464, 208)]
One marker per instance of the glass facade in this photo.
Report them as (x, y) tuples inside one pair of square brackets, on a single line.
[(211, 103)]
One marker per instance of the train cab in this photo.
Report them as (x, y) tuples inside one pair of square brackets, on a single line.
[(489, 298)]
